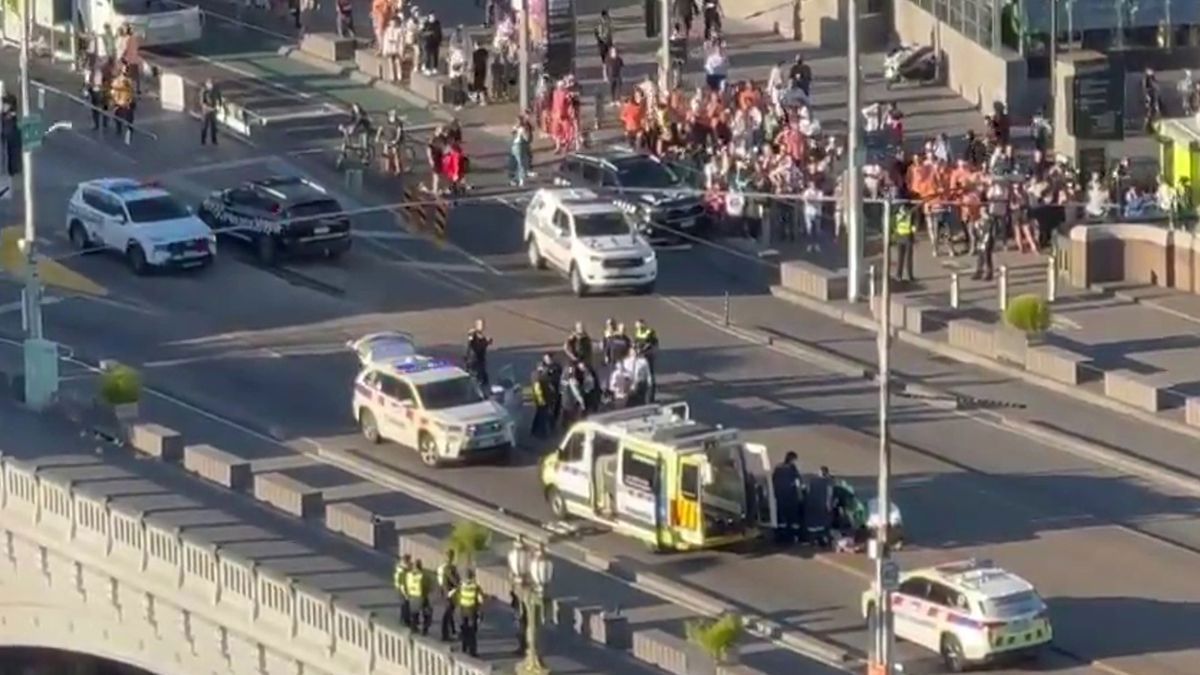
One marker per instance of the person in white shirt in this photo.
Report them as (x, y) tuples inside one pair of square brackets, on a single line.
[(456, 66), (716, 67), (393, 47), (412, 35), (637, 369), (104, 47)]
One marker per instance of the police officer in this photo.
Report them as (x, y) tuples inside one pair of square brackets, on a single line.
[(470, 601), (448, 580), (787, 484), (645, 343), (578, 345), (475, 361), (905, 232), (547, 379), (616, 343), (416, 590), (399, 582)]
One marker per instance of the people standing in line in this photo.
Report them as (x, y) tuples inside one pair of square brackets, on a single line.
[(393, 48), (480, 58), (788, 486), (470, 603), (645, 343), (431, 44), (121, 94), (475, 359), (640, 379), (416, 589), (400, 583), (345, 18), (449, 582), (210, 102)]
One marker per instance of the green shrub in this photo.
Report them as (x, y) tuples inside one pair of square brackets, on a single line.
[(120, 385), (1028, 314), (468, 539), (716, 637)]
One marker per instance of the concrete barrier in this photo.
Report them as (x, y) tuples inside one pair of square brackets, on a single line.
[(328, 46), (435, 88), (218, 466), (610, 630), (581, 619), (372, 64), (670, 653), (561, 611), (157, 441), (738, 669), (361, 525), (1011, 345), (1192, 410), (1147, 392), (973, 336), (1056, 363), (289, 495), (922, 316), (813, 281), (427, 549)]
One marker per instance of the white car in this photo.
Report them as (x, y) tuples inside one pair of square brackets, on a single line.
[(141, 222), (970, 612), (429, 404), (590, 240)]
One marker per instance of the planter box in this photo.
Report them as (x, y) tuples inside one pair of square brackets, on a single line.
[(1147, 392), (125, 412), (328, 46), (921, 316), (670, 653), (1011, 344), (1192, 407), (973, 336), (814, 281), (289, 495), (1056, 363), (361, 525), (610, 630), (157, 441), (218, 466)]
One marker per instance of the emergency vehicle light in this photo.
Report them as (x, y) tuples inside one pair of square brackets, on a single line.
[(416, 364)]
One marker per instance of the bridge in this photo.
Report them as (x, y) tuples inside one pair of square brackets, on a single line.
[(136, 562)]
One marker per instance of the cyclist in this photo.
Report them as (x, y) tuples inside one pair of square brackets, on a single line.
[(356, 134), (390, 138)]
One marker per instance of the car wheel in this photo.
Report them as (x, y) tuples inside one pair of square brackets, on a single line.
[(79, 236), (536, 261), (136, 258), (369, 427), (558, 505), (427, 448), (952, 654), (578, 287), (264, 249)]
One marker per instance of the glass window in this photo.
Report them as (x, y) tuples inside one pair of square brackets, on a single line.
[(322, 207), (612, 224), (561, 221), (395, 389), (155, 209), (591, 174), (1012, 606), (94, 200), (915, 587), (572, 448), (603, 445), (689, 481), (645, 173), (452, 393), (638, 472)]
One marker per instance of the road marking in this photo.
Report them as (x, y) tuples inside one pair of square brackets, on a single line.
[(440, 267), (381, 235), (1065, 323), (324, 110), (105, 147), (14, 307), (214, 166)]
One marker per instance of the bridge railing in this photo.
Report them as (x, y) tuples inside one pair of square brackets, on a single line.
[(318, 625)]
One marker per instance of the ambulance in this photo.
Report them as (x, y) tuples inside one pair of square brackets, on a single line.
[(655, 474)]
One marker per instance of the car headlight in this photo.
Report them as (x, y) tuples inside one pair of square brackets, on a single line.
[(649, 259), (595, 259), (471, 429)]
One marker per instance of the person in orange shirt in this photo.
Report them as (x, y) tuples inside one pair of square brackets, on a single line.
[(632, 114)]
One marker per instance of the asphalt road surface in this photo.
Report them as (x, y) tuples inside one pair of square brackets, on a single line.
[(1115, 555)]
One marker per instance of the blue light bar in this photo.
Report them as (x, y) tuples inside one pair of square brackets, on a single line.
[(418, 364)]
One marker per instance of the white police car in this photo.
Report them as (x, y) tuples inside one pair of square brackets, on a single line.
[(428, 404), (970, 612), (139, 220), (589, 240)]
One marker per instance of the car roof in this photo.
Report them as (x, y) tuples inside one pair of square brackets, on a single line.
[(581, 200), (976, 577), (128, 189), (290, 189)]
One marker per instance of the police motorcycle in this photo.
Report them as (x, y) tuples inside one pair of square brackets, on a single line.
[(910, 63), (397, 345)]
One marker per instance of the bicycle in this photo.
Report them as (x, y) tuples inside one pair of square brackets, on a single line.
[(360, 149), (401, 153)]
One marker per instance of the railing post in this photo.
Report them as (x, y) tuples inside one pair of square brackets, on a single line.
[(954, 290), (1002, 282), (41, 98), (871, 286), (727, 308), (1051, 280)]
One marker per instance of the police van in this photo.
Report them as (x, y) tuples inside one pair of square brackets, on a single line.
[(429, 404), (969, 612), (655, 474)]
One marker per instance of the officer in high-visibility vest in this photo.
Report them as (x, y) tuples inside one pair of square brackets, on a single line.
[(399, 581), (470, 603), (645, 343), (416, 590), (448, 581), (905, 233)]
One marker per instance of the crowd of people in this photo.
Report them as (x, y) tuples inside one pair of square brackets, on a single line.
[(111, 64)]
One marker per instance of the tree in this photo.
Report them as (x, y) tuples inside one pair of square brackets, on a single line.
[(468, 539), (716, 637), (1029, 314), (120, 385)]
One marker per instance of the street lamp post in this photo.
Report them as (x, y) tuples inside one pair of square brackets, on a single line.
[(854, 151), (664, 36), (531, 570), (522, 10)]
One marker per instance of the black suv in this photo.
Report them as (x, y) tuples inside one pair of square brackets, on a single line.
[(644, 185), (279, 216)]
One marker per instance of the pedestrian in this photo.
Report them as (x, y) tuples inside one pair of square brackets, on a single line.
[(393, 48), (712, 19), (685, 14), (454, 167), (456, 68), (547, 399), (645, 343), (416, 590), (716, 67), (615, 343), (640, 379), (390, 138), (985, 238), (449, 583), (578, 345), (480, 58), (210, 102), (787, 485), (470, 602), (399, 582), (905, 232), (295, 9), (431, 44), (801, 76), (574, 395), (345, 18), (614, 69), (521, 615), (10, 134), (604, 37), (435, 149), (677, 51), (121, 94), (522, 134), (475, 359), (129, 52), (95, 91)]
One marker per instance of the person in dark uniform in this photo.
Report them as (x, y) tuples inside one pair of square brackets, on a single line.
[(521, 615), (547, 379), (712, 19), (210, 103), (818, 507), (578, 346), (615, 343), (788, 486), (645, 341), (475, 359), (685, 14), (905, 233), (449, 581), (470, 604)]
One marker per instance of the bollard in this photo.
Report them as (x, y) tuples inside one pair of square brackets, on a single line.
[(871, 286), (354, 180), (1051, 280), (74, 46), (954, 295), (41, 94), (1002, 282), (726, 308)]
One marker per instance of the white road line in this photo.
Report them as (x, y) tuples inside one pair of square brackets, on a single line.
[(311, 113), (14, 307)]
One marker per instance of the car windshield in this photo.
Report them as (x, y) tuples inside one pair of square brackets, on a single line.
[(450, 393), (1012, 606), (602, 225), (153, 209), (318, 208), (646, 173)]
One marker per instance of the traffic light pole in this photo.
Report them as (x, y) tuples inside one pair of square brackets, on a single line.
[(664, 36), (523, 47), (883, 641), (854, 150), (32, 294)]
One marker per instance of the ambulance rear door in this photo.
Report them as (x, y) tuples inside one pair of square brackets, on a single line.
[(758, 473), (686, 509)]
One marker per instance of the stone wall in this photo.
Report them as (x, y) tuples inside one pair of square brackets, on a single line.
[(1143, 254)]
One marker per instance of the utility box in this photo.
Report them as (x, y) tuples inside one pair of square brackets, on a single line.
[(41, 373)]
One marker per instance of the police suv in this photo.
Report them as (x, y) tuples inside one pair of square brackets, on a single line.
[(280, 215), (970, 612), (428, 404), (139, 220), (588, 239)]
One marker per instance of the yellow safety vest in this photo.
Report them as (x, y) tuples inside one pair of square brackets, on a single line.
[(414, 584), (398, 576), (468, 595), (904, 225)]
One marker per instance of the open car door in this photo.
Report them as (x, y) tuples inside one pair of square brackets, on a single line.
[(506, 391), (758, 473), (383, 346)]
